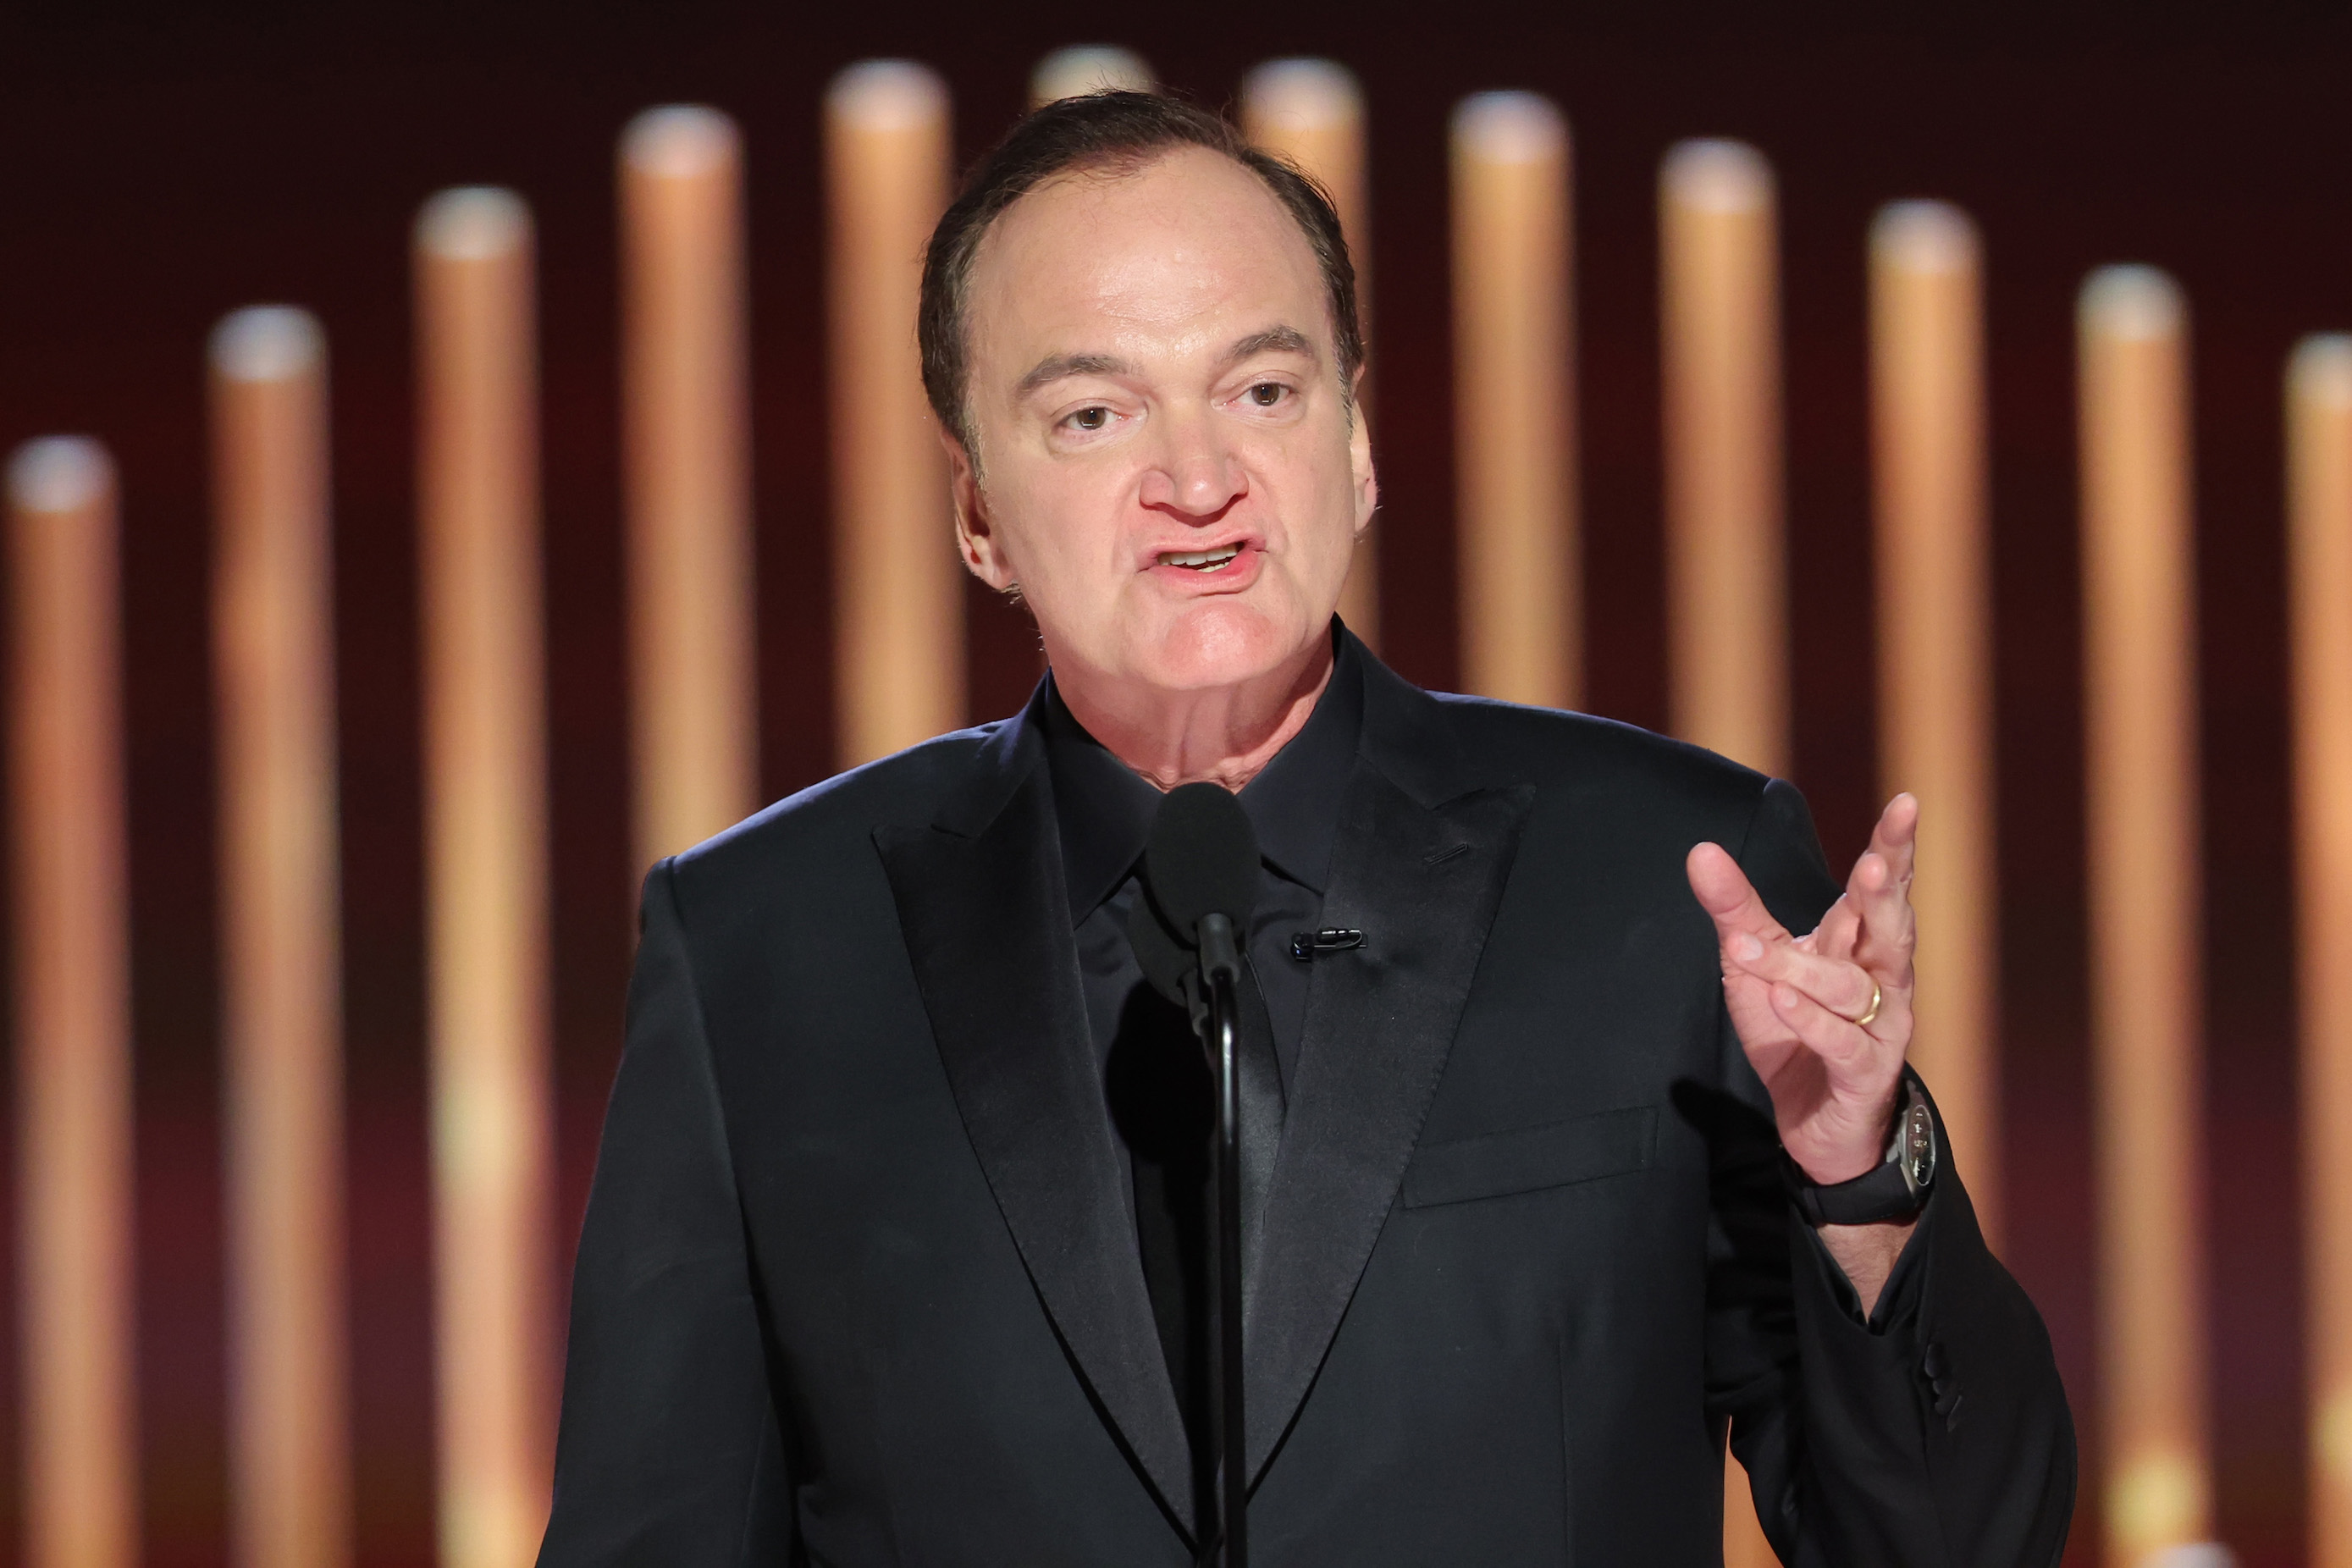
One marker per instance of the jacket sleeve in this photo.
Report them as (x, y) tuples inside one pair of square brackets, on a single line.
[(1935, 1432), (670, 1451)]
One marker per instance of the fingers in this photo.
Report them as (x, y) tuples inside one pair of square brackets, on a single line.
[(1857, 958), (1840, 929), (1838, 986), (1843, 1046), (1795, 1002), (1878, 893), (1896, 833), (1730, 900)]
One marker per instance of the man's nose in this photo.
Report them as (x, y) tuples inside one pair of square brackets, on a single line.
[(1196, 474)]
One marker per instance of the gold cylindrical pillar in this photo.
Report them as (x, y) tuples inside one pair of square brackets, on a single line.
[(485, 864), (2139, 640), (72, 935), (686, 409), (1726, 579), (2319, 588), (899, 587), (274, 663), (1311, 112), (1082, 68), (1935, 650), (1514, 444)]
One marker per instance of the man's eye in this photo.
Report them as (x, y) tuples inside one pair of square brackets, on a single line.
[(1090, 418), (1267, 394)]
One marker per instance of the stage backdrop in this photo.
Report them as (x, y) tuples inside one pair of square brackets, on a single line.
[(158, 169)]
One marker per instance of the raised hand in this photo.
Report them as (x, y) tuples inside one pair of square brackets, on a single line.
[(1825, 1017)]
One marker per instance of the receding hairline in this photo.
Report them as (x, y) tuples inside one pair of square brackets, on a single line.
[(1119, 165)]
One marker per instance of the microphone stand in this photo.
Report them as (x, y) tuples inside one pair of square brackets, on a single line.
[(1221, 967)]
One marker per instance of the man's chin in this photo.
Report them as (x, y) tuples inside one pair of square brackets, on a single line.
[(1206, 652)]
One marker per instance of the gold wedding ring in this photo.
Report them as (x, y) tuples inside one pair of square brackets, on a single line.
[(1877, 996)]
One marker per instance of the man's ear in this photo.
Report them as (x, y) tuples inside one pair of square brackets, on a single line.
[(1360, 459), (976, 537)]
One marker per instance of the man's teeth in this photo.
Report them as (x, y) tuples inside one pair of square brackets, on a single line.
[(1199, 560)]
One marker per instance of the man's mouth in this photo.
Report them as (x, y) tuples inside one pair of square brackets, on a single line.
[(1200, 560)]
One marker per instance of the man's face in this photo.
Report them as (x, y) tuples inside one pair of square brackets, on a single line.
[(1166, 462)]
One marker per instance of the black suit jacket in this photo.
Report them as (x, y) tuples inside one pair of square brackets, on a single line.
[(859, 1285)]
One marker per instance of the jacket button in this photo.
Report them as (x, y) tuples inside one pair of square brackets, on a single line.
[(1935, 1363)]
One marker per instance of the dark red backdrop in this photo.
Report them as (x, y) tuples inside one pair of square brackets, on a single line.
[(158, 169)]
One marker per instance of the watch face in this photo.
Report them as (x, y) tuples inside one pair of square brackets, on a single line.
[(1918, 1146)]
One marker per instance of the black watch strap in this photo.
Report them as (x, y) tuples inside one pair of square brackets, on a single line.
[(1896, 1188)]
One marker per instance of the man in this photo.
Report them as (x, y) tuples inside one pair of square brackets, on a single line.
[(1568, 1153)]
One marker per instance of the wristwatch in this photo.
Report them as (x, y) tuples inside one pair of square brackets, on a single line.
[(1896, 1189)]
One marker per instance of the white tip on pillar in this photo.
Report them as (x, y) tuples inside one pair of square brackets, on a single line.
[(1083, 68), (2321, 366), (887, 95), (1716, 175), (2132, 301), (59, 473), (1311, 92), (473, 223), (680, 140), (1924, 237), (1510, 127), (267, 342)]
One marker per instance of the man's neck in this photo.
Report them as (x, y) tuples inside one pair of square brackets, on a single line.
[(1225, 735)]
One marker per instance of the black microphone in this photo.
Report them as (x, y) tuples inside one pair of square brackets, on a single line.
[(1201, 862), (1199, 886)]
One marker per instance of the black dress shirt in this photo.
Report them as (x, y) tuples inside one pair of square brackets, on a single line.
[(1157, 1088)]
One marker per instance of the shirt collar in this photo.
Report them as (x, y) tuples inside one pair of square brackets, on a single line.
[(1104, 808)]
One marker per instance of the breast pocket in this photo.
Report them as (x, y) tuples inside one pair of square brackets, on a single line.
[(1530, 1158)]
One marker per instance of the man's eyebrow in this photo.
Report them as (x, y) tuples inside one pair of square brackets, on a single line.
[(1274, 339), (1054, 367)]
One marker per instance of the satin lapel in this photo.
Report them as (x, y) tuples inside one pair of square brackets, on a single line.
[(1422, 880), (981, 902)]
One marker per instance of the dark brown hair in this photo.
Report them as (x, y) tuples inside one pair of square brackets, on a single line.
[(1118, 130)]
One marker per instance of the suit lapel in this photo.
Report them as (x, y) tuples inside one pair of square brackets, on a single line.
[(980, 903), (1419, 865)]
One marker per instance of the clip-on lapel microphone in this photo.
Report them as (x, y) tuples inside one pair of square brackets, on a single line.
[(1200, 877)]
